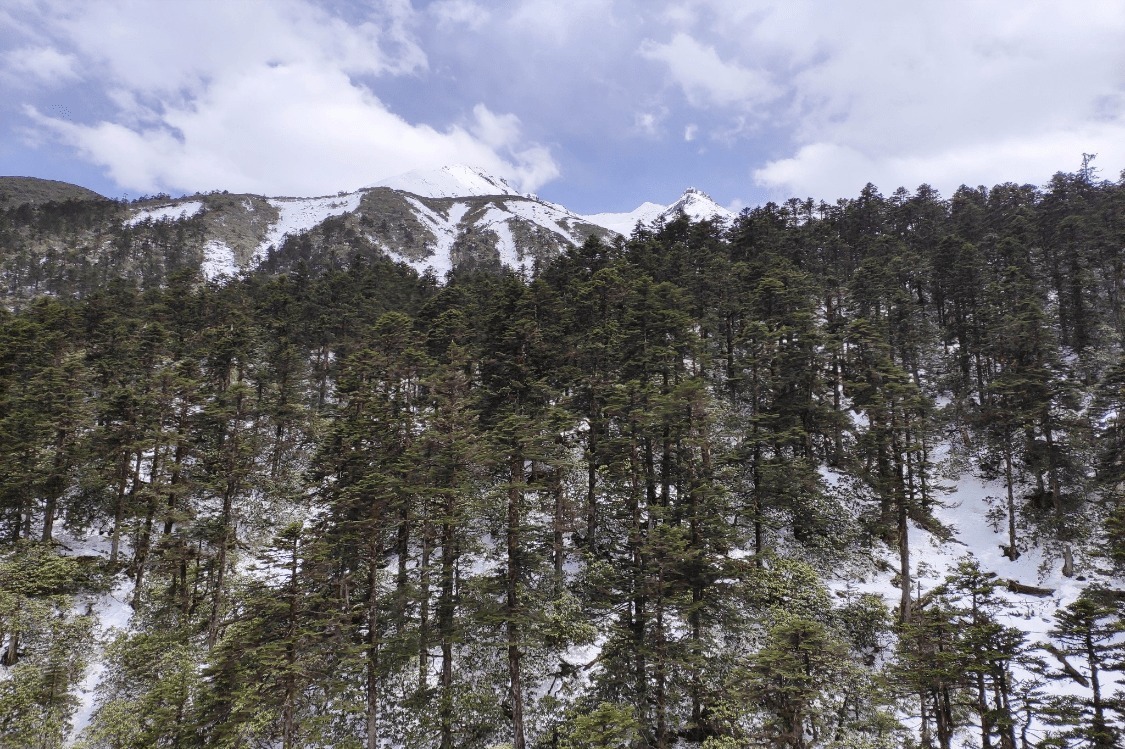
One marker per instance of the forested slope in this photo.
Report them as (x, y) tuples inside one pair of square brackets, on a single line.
[(644, 499)]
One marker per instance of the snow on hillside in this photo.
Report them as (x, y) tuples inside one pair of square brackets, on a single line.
[(445, 228), (448, 226), (496, 220), (296, 215), (454, 181), (547, 215), (172, 212), (969, 511), (218, 260)]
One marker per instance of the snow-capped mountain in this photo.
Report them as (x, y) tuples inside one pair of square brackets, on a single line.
[(695, 204), (698, 206), (624, 223), (454, 181), (433, 220)]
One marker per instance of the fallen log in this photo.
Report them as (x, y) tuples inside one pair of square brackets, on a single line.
[(1028, 590), (1068, 669)]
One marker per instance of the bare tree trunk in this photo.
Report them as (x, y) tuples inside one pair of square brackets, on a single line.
[(1013, 547), (445, 619), (424, 608), (515, 654), (373, 642)]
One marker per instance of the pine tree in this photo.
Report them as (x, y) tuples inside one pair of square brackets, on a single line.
[(1089, 629)]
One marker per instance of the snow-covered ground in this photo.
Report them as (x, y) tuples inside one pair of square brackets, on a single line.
[(166, 212), (113, 614), (969, 511), (218, 260), (453, 181), (296, 215)]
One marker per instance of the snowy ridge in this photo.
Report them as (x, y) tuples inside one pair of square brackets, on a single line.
[(448, 203), (454, 181), (296, 215)]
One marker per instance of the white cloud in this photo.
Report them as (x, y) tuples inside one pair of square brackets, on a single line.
[(944, 93), (451, 14), (201, 104), (559, 22), (648, 122), (40, 64), (290, 130), (706, 78), (829, 171)]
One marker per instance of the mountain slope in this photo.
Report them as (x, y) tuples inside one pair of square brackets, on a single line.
[(16, 191), (454, 181), (432, 220)]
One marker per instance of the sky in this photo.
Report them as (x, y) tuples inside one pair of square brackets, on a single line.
[(596, 104)]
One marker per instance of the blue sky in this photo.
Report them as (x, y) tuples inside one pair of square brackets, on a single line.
[(595, 104)]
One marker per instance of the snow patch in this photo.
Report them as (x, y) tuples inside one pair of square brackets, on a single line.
[(454, 181), (218, 260), (296, 215), (171, 212), (112, 613)]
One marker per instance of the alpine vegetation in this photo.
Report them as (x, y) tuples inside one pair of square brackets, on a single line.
[(437, 464)]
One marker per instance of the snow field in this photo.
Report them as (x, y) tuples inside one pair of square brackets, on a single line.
[(296, 215), (218, 260), (166, 213), (967, 511)]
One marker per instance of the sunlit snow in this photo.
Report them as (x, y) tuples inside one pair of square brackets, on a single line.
[(453, 181), (695, 204), (296, 215), (218, 260), (166, 213)]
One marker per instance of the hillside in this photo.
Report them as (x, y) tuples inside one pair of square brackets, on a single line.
[(432, 220), (816, 476), (17, 191)]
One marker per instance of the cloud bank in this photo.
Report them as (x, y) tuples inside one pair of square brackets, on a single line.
[(273, 97), (632, 99)]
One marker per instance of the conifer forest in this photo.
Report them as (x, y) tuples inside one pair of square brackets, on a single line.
[(682, 489)]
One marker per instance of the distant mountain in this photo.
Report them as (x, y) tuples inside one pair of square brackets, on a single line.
[(16, 191), (433, 220), (695, 204), (698, 206), (624, 223)]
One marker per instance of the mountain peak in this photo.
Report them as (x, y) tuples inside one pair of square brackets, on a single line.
[(452, 181), (698, 206), (694, 203)]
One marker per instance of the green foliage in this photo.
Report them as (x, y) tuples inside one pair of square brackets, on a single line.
[(37, 697), (607, 726), (588, 509)]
